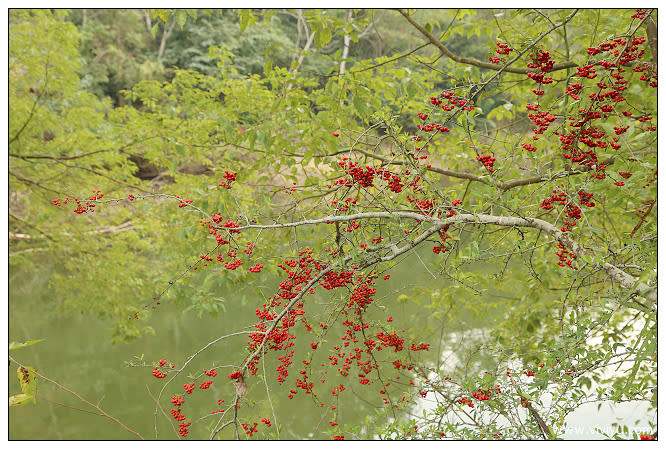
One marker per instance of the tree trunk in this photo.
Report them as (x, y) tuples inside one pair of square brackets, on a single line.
[(310, 36), (165, 36), (149, 22), (345, 50)]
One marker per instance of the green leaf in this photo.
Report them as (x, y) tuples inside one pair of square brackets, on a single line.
[(20, 399), (13, 345), (359, 104), (163, 14), (325, 36), (411, 88), (181, 18), (154, 29), (585, 381), (268, 67), (247, 18)]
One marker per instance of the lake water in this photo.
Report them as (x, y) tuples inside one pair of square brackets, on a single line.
[(78, 354)]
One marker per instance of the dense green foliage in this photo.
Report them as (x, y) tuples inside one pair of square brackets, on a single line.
[(167, 102)]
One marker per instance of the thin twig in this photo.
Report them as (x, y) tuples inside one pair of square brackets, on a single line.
[(102, 412), (163, 412)]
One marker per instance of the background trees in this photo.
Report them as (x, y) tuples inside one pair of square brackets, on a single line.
[(501, 163)]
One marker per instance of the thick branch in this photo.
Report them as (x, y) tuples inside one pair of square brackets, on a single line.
[(624, 279), (476, 62), (149, 22)]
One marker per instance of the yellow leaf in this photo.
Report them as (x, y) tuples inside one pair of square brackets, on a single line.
[(20, 399)]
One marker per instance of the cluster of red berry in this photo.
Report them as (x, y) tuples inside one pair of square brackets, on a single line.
[(488, 161)]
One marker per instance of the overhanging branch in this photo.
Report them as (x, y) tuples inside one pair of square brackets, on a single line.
[(624, 279)]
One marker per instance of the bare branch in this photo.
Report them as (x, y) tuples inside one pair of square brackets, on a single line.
[(102, 412), (127, 226), (163, 412), (404, 55)]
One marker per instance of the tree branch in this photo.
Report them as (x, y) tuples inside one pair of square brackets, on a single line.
[(34, 183), (642, 220), (168, 28), (404, 55), (652, 35), (475, 62), (102, 412), (26, 157), (624, 279), (42, 91), (543, 427), (503, 185), (163, 412), (305, 48), (127, 226)]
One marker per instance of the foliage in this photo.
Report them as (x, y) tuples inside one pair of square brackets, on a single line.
[(510, 165), (118, 50), (191, 43)]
